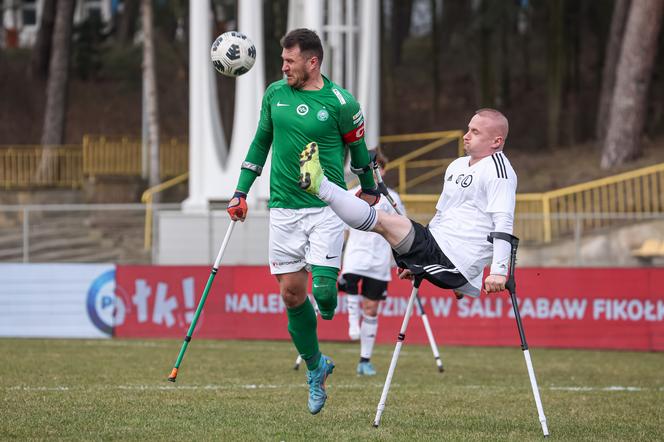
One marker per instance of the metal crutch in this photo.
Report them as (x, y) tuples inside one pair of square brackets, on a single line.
[(510, 285), (397, 349), (382, 188)]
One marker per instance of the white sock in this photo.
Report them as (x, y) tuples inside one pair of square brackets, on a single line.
[(353, 303), (352, 210), (368, 331)]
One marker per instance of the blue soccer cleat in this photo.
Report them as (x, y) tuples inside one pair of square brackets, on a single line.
[(316, 380), (366, 369)]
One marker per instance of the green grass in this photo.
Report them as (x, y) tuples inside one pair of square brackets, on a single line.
[(229, 390)]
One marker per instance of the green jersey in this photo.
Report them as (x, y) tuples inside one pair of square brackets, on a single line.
[(289, 120)]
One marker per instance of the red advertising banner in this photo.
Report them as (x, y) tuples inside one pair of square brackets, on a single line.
[(560, 307)]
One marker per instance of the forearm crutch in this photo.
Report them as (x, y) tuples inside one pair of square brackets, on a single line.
[(397, 349), (192, 326), (382, 188), (511, 288)]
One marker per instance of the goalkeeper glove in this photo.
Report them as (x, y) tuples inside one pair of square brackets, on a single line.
[(371, 196), (237, 206)]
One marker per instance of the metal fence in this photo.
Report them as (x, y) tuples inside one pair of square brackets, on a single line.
[(550, 216), (115, 233), (75, 233)]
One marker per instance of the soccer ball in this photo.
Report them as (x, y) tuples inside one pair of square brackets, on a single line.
[(233, 54)]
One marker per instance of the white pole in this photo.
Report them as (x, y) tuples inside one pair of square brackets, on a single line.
[(533, 385), (395, 356)]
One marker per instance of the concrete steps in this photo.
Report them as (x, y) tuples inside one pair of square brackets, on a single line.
[(77, 237)]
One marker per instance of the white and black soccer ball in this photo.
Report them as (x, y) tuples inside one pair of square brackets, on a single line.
[(233, 54)]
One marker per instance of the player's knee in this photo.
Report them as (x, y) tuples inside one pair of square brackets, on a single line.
[(370, 307), (325, 293)]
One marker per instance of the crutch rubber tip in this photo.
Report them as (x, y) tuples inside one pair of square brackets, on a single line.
[(375, 425), (441, 369), (296, 367), (174, 374)]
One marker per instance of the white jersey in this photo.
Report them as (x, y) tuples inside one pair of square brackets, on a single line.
[(367, 253), (463, 220)]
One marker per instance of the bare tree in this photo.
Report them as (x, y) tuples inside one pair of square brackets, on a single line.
[(401, 16), (555, 69), (127, 25), (41, 52), (58, 76), (628, 105), (613, 45), (150, 90)]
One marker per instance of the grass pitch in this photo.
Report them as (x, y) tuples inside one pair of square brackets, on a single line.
[(230, 390)]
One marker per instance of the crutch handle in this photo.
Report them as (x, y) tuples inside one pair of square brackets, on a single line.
[(513, 240)]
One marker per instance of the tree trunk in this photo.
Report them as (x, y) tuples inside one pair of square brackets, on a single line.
[(41, 52), (127, 25), (556, 70), (401, 17), (628, 105), (58, 76), (609, 72), (487, 70), (435, 55), (150, 85)]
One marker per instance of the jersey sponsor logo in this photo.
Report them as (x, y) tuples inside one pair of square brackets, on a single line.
[(339, 96), (358, 118), (280, 104), (322, 115), (499, 162), (285, 263), (354, 135), (302, 109)]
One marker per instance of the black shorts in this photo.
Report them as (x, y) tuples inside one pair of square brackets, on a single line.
[(425, 259), (373, 289)]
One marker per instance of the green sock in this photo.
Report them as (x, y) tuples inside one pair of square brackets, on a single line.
[(302, 328)]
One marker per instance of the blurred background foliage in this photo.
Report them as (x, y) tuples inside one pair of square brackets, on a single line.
[(540, 61)]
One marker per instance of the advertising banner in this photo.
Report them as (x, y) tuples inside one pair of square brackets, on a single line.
[(567, 308), (57, 300)]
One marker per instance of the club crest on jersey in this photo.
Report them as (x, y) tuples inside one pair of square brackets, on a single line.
[(322, 115), (302, 109), (464, 180)]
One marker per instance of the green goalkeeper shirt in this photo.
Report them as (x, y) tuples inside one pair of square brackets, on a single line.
[(289, 120)]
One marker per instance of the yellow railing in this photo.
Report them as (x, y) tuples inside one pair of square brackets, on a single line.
[(122, 156), (639, 191), (24, 166), (436, 165), (147, 198), (548, 216)]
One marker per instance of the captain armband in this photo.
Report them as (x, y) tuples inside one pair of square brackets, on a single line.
[(253, 167)]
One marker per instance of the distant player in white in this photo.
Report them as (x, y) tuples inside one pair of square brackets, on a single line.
[(367, 265), (479, 196)]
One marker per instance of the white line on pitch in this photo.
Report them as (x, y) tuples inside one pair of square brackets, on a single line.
[(155, 387)]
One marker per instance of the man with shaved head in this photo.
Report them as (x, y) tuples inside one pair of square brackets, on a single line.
[(478, 197)]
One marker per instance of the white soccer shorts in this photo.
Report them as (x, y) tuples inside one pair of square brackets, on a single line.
[(301, 237)]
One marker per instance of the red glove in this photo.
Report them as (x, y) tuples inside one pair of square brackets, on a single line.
[(237, 207), (371, 196)]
